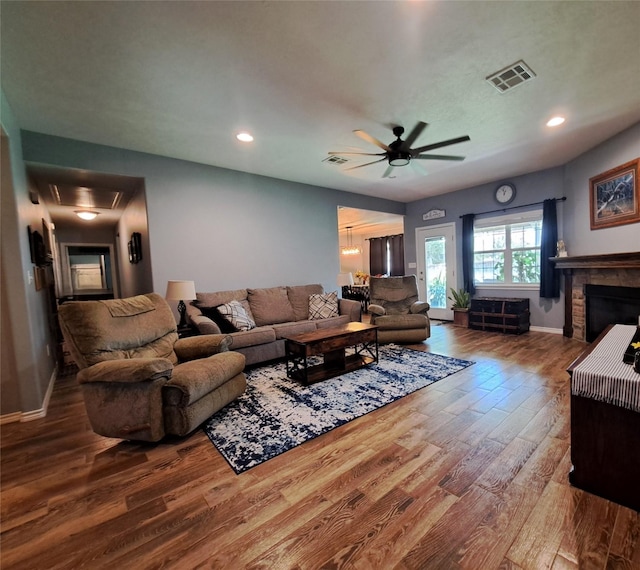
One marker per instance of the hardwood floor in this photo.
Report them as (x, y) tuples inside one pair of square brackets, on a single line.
[(470, 472)]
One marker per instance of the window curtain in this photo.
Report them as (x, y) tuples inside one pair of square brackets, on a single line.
[(377, 256), (396, 251), (467, 253), (549, 275)]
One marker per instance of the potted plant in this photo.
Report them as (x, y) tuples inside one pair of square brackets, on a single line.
[(461, 301)]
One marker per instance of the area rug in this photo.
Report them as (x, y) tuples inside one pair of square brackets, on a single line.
[(276, 413)]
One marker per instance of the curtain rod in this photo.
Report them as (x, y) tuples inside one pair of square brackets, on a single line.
[(382, 237), (516, 207)]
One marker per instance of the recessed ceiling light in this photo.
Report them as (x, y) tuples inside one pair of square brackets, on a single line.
[(555, 121), (244, 137)]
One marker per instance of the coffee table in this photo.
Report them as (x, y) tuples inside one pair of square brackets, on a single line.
[(331, 344)]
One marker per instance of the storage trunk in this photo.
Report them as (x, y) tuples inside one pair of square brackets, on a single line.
[(499, 314)]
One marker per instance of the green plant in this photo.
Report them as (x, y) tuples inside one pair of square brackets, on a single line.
[(461, 299)]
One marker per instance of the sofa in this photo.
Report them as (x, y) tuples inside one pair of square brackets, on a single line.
[(270, 314), (139, 380)]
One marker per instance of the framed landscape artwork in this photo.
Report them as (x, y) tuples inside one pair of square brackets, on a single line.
[(615, 196)]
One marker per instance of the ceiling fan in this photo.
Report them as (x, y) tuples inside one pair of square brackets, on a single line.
[(399, 152)]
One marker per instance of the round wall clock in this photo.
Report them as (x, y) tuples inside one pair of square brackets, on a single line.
[(505, 193)]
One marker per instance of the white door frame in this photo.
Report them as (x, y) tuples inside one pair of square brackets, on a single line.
[(449, 232), (66, 287)]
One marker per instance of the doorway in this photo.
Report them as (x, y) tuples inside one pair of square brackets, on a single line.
[(88, 271), (436, 259)]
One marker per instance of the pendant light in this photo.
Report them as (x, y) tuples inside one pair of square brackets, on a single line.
[(350, 249)]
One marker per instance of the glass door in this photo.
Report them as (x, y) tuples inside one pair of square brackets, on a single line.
[(436, 268)]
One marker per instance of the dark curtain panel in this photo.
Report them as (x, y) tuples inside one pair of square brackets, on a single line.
[(467, 253), (378, 256), (549, 275), (396, 249)]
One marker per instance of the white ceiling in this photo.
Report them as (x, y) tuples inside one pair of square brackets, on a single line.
[(181, 78)]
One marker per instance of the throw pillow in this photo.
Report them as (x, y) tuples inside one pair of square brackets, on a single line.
[(234, 312), (217, 317), (323, 306)]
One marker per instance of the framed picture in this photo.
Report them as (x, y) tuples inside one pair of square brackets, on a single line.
[(615, 197), (135, 247)]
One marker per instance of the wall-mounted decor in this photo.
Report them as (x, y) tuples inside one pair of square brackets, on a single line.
[(40, 255), (135, 247), (615, 197), (434, 214)]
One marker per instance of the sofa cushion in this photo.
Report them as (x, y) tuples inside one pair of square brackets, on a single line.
[(253, 337), (332, 322), (299, 298), (270, 306), (298, 327), (218, 318), (237, 316), (323, 306)]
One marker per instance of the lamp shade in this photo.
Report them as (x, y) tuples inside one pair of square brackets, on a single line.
[(345, 279), (181, 290)]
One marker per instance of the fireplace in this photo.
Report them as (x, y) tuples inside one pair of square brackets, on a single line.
[(617, 270), (606, 305)]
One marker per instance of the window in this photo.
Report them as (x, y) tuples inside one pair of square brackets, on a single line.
[(507, 250)]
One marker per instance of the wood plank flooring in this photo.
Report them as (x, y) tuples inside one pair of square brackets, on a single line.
[(469, 473)]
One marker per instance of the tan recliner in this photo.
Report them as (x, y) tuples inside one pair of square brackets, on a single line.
[(396, 311), (139, 381)]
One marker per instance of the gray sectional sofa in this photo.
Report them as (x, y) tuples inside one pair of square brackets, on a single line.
[(276, 312)]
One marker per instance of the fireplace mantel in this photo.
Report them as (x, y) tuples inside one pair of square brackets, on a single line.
[(602, 261), (621, 269)]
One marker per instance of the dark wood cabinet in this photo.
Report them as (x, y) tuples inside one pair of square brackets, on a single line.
[(499, 314)]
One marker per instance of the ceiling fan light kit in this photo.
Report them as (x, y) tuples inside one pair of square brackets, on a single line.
[(399, 152)]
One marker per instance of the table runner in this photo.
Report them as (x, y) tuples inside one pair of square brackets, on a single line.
[(603, 376)]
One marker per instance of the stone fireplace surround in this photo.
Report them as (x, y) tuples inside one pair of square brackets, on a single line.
[(616, 269)]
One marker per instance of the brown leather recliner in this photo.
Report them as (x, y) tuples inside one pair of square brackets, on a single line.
[(396, 311), (139, 380)]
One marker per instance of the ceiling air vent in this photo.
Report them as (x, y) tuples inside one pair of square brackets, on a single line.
[(333, 159), (512, 76)]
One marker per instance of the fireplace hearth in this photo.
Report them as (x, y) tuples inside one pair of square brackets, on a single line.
[(607, 305)]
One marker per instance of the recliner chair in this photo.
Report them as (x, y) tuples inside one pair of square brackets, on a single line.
[(139, 380), (396, 311)]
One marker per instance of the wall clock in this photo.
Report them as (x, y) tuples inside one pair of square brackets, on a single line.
[(505, 194)]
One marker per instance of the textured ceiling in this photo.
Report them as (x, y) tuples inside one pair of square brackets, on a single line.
[(181, 78)]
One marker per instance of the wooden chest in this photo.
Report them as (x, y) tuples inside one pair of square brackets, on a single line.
[(499, 314)]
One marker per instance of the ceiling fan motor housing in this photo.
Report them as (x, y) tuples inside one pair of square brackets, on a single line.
[(397, 156)]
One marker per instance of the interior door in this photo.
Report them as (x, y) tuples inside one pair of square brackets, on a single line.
[(436, 258)]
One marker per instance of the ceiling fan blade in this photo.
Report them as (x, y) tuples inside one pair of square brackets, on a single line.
[(357, 153), (413, 135), (388, 171), (372, 140), (416, 151), (367, 164), (439, 157), (418, 168)]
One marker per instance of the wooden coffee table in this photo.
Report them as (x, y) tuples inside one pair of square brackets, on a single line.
[(331, 345)]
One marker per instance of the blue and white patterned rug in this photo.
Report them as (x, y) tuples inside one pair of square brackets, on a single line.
[(276, 414)]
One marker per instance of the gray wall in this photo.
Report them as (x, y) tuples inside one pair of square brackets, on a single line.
[(221, 228), (530, 188), (27, 368), (580, 239), (570, 180)]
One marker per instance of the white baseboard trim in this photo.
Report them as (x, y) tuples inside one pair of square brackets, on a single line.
[(546, 330), (32, 414), (10, 418)]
